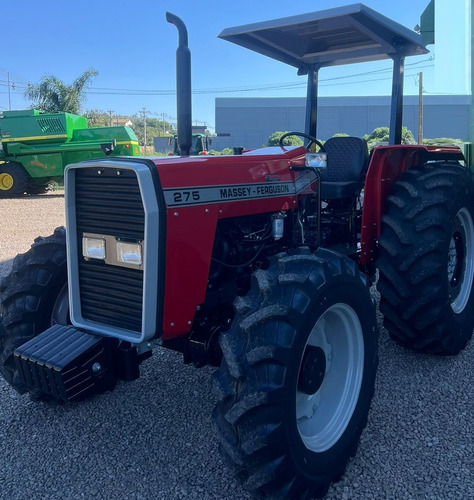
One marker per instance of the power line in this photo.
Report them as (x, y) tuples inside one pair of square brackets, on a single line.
[(217, 90), (229, 90), (18, 85), (249, 88), (372, 80), (13, 75)]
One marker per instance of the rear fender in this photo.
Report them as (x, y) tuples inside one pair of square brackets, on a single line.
[(386, 166)]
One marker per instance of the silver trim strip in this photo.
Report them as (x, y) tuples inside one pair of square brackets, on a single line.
[(205, 195)]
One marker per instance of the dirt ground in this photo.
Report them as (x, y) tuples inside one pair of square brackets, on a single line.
[(23, 219)]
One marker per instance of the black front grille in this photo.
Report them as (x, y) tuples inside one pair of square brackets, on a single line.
[(109, 204)]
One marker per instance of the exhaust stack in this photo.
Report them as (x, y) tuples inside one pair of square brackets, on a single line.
[(183, 86)]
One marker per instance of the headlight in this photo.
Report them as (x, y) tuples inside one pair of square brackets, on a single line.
[(112, 250), (129, 253), (93, 248), (316, 160)]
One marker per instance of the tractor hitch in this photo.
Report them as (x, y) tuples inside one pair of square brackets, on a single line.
[(68, 364)]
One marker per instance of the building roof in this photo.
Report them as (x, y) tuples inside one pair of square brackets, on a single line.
[(343, 101), (342, 35)]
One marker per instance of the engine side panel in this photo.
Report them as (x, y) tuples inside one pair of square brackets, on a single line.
[(198, 192)]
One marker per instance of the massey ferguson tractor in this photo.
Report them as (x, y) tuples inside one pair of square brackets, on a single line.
[(259, 264)]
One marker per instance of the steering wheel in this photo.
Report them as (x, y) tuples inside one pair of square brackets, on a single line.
[(312, 140)]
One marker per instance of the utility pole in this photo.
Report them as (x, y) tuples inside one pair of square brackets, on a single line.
[(110, 111), (9, 98), (420, 108), (163, 116), (144, 112)]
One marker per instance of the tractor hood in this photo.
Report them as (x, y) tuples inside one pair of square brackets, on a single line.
[(258, 166)]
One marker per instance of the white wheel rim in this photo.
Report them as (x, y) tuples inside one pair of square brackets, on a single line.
[(60, 311), (460, 299), (323, 417)]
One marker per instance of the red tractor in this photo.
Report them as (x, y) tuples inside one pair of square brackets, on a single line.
[(258, 263)]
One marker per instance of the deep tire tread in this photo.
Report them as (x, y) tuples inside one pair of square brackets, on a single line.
[(413, 249), (32, 282), (250, 383)]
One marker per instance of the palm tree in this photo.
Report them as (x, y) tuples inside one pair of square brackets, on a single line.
[(53, 95)]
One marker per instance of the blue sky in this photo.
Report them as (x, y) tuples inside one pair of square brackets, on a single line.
[(132, 47)]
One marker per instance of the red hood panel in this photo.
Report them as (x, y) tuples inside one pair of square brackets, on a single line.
[(208, 170)]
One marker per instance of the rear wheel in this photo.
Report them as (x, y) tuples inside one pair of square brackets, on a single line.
[(298, 373), (33, 297), (13, 180), (426, 259)]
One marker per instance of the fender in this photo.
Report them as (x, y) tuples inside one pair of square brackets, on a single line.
[(386, 166)]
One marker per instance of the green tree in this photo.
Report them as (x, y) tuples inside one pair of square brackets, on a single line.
[(225, 151), (97, 118), (442, 141), (381, 135), (292, 140), (154, 128), (53, 95)]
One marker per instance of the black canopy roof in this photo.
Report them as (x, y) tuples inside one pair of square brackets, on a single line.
[(343, 35)]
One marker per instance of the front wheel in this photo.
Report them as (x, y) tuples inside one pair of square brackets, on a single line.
[(298, 375), (33, 297), (13, 180)]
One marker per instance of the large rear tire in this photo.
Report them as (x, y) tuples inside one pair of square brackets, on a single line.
[(33, 297), (297, 376), (426, 259)]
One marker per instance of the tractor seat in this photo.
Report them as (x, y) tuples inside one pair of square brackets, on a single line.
[(348, 159)]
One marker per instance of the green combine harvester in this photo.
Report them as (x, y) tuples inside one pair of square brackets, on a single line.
[(35, 148)]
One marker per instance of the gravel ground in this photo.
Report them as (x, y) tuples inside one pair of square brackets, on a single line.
[(152, 438)]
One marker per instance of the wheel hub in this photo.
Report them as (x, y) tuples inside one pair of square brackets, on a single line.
[(6, 182), (313, 369), (456, 260), (330, 377), (460, 261)]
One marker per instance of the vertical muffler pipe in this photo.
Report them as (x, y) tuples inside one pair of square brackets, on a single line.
[(183, 86)]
